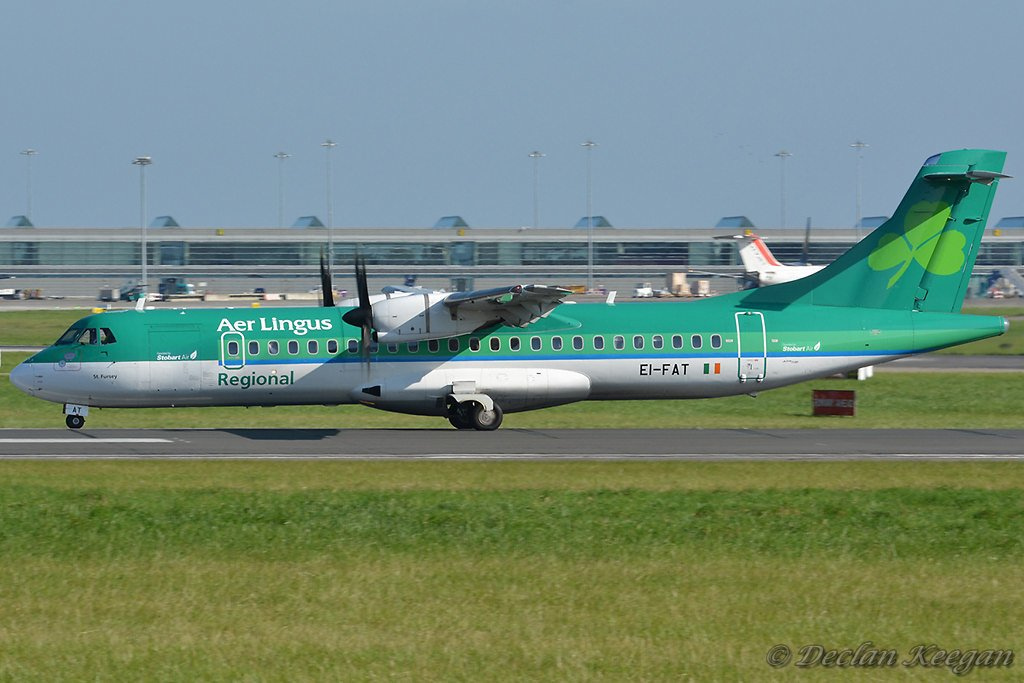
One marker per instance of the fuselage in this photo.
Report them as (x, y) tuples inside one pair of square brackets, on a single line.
[(263, 357)]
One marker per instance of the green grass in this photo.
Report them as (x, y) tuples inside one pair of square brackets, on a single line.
[(888, 400), (299, 571), (1008, 310), (36, 327)]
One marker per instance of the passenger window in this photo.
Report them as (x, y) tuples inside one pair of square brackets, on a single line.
[(232, 348), (716, 341), (638, 342), (433, 346), (619, 342), (106, 336), (577, 343), (332, 346), (254, 348), (513, 343), (495, 344), (556, 343), (696, 341), (413, 347), (273, 348), (535, 343), (677, 341), (599, 343), (474, 344), (353, 346), (293, 347), (392, 348), (312, 347), (657, 341), (374, 347), (453, 345)]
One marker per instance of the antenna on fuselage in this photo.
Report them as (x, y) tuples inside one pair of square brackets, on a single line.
[(140, 303)]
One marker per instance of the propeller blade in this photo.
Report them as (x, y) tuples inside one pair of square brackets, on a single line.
[(326, 287), (362, 288), (365, 345), (362, 316)]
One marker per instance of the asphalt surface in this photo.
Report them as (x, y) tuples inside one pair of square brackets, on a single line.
[(512, 444)]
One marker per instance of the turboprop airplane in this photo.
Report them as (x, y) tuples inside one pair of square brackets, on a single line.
[(470, 357), (761, 266)]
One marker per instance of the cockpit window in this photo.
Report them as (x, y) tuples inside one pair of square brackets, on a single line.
[(70, 337), (932, 160), (86, 335)]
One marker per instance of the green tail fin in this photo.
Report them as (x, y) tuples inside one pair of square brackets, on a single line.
[(922, 257)]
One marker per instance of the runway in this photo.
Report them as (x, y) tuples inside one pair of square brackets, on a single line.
[(513, 444)]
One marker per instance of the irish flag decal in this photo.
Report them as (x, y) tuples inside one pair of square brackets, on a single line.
[(712, 368)]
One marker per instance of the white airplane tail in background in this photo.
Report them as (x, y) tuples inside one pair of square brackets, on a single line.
[(755, 254), (762, 266)]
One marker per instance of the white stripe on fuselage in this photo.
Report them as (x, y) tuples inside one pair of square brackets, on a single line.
[(130, 384)]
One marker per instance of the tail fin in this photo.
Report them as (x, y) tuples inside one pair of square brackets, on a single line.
[(755, 254), (922, 257)]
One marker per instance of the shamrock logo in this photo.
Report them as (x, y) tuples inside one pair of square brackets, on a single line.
[(925, 240)]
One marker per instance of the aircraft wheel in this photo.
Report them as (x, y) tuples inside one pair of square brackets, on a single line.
[(486, 420), (74, 421), (460, 417)]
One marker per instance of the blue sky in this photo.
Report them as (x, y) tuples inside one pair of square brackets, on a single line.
[(435, 106)]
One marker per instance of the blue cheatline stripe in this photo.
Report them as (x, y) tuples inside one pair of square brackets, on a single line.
[(529, 356)]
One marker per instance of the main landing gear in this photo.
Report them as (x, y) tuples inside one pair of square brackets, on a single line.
[(473, 415), (74, 421)]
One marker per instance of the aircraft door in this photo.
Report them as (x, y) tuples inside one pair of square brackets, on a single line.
[(232, 350), (751, 346)]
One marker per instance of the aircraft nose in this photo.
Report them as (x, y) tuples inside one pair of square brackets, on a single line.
[(22, 377)]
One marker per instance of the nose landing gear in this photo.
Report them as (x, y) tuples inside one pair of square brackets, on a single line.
[(75, 415)]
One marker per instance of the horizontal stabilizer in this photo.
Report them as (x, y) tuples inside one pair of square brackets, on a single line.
[(983, 177)]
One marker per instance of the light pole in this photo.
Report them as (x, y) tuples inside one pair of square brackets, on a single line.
[(589, 145), (536, 156), (280, 156), (782, 155), (859, 146), (29, 153), (142, 163), (329, 144)]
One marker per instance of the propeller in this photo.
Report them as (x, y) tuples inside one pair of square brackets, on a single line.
[(362, 317), (326, 287)]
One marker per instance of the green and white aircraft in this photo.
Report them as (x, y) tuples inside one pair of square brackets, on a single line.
[(470, 357)]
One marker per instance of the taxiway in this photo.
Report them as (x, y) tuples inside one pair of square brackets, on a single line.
[(513, 444)]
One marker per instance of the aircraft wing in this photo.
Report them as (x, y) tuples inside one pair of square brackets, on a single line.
[(517, 306), (404, 289)]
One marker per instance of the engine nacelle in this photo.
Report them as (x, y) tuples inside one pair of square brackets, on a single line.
[(404, 317), (514, 389)]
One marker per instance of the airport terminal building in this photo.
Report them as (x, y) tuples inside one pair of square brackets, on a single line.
[(79, 259)]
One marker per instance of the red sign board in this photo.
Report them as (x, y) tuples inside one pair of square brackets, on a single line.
[(833, 402)]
